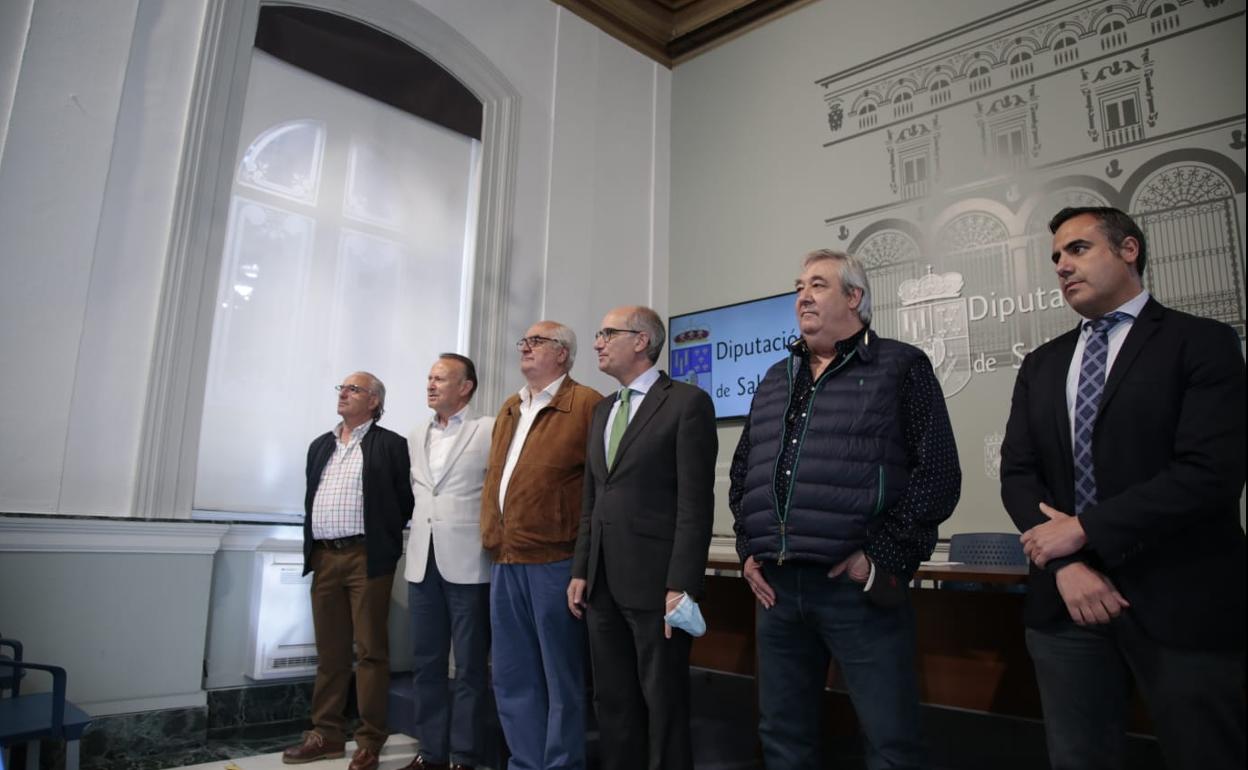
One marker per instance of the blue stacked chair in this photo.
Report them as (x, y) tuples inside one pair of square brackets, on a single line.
[(28, 719), (985, 549), (10, 677)]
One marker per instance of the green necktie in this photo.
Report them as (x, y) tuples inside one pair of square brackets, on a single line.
[(618, 426)]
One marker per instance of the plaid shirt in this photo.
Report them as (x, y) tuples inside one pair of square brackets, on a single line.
[(338, 508)]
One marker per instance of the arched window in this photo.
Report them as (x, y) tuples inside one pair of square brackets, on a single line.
[(868, 115), (1065, 49), (1113, 34), (976, 245), (348, 247), (890, 256), (250, 190), (980, 77), (903, 104), (1164, 18), (1187, 213), (1021, 65)]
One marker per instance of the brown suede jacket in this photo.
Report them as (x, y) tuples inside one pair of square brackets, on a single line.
[(543, 504)]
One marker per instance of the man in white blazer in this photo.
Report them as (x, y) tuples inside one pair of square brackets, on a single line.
[(448, 573)]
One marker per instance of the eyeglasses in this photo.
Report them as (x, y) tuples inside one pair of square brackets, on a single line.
[(352, 389), (534, 341), (607, 334)]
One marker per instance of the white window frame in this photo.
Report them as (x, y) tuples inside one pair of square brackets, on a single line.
[(168, 452)]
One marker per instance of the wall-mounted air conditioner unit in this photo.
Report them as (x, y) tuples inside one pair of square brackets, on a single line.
[(281, 642)]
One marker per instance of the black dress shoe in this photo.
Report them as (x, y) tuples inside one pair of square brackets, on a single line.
[(420, 763)]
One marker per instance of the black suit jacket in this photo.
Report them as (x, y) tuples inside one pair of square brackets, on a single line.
[(387, 495), (649, 517), (1168, 449)]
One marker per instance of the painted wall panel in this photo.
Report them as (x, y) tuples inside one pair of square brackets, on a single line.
[(603, 181), (115, 353), (945, 150), (52, 176)]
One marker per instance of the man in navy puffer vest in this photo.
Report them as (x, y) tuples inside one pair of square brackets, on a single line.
[(845, 468)]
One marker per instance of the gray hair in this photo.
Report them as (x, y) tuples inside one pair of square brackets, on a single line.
[(853, 276), (565, 337), (643, 319), (379, 390)]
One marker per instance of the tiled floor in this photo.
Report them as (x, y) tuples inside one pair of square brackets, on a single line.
[(398, 751), (724, 731)]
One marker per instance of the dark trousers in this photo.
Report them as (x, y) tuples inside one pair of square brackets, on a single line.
[(641, 685), (348, 605), (1195, 697), (449, 721), (815, 618), (538, 651)]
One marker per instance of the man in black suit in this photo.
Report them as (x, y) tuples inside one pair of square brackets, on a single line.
[(642, 545), (359, 497), (1122, 465)]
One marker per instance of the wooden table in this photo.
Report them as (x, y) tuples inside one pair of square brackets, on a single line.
[(971, 649)]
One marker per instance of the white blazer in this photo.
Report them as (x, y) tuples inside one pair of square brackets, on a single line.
[(448, 513)]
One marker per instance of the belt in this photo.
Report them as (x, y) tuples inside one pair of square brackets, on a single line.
[(339, 543)]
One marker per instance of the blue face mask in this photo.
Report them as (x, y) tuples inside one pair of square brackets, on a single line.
[(686, 616)]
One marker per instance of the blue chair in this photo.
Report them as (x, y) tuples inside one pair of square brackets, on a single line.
[(985, 549), (10, 678), (27, 719)]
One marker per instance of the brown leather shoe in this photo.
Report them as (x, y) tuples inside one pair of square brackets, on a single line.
[(420, 763), (364, 759), (314, 747)]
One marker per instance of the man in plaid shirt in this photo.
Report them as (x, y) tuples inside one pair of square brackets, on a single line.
[(359, 497)]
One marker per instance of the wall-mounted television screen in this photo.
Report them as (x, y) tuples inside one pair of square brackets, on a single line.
[(727, 350)]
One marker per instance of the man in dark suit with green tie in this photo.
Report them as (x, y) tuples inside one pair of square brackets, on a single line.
[(642, 546)]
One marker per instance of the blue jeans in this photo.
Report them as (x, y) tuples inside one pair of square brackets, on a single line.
[(814, 619), (449, 723), (539, 666)]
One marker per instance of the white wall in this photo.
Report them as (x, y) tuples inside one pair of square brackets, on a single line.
[(759, 176), (93, 148), (95, 100), (121, 605)]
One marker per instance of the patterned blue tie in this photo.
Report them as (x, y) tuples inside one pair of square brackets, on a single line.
[(1088, 403)]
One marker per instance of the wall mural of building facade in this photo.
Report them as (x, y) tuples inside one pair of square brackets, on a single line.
[(963, 147)]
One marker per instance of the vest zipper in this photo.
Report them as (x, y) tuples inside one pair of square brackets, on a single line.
[(810, 411), (879, 495)]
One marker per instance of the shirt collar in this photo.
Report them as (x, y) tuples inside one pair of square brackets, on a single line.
[(454, 419), (1132, 307), (549, 391), (843, 347), (357, 432), (645, 381)]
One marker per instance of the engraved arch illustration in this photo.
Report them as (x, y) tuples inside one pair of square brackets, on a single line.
[(980, 62), (976, 243), (1064, 30), (941, 76), (891, 252), (1188, 214), (906, 85)]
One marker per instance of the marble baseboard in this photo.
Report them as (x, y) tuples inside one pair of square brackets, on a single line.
[(237, 707), (258, 719), (123, 739)]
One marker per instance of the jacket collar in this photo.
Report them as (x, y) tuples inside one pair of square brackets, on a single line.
[(861, 344), (561, 401)]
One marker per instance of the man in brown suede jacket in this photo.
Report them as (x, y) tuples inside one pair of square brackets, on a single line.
[(530, 512)]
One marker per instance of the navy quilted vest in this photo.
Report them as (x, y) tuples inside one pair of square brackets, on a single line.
[(852, 461)]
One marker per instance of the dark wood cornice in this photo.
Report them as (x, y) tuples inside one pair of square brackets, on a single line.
[(673, 31)]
